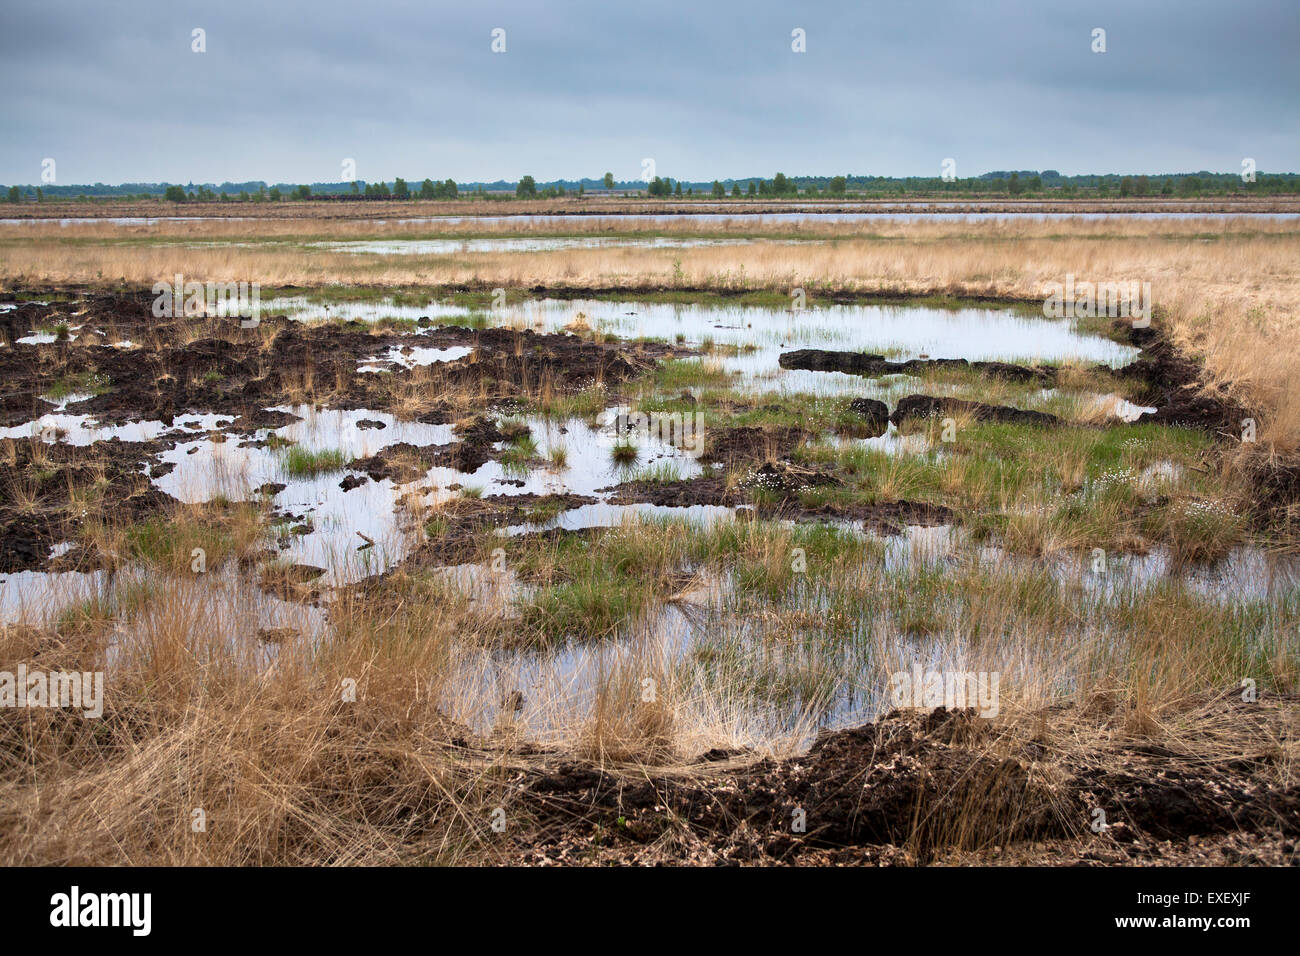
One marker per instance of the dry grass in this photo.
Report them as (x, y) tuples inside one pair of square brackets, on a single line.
[(259, 737)]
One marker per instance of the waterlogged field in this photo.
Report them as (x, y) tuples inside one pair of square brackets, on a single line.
[(646, 573)]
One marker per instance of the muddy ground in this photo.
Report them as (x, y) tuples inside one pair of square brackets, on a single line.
[(220, 367), (943, 787)]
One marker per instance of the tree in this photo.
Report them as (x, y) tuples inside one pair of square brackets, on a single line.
[(735, 190), (356, 187), (609, 181), (582, 189), (752, 188), (678, 190), (780, 185), (302, 192), (1014, 186), (15, 194), (837, 186), (426, 189), (400, 190), (718, 190), (174, 194), (527, 188)]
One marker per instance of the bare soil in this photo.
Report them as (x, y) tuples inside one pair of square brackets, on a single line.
[(916, 788)]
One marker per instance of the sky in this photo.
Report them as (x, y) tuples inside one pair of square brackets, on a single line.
[(288, 91)]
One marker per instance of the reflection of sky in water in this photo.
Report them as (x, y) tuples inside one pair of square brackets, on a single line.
[(81, 430), (224, 601), (205, 469), (750, 339), (448, 247), (409, 357), (683, 641)]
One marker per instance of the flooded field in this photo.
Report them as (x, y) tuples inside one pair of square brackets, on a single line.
[(746, 342), (350, 490), (758, 513)]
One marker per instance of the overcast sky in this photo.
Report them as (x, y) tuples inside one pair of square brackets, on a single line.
[(287, 90)]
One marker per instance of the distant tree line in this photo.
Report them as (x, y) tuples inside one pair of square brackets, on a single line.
[(1017, 183)]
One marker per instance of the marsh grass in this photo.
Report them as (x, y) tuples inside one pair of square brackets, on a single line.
[(690, 373), (305, 463), (659, 472), (585, 403), (624, 451), (520, 454), (283, 768), (84, 383)]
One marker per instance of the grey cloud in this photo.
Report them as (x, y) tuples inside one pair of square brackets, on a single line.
[(287, 90)]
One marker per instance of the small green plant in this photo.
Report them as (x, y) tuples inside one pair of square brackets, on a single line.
[(83, 383), (519, 453), (624, 452), (544, 510), (303, 463), (661, 472)]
